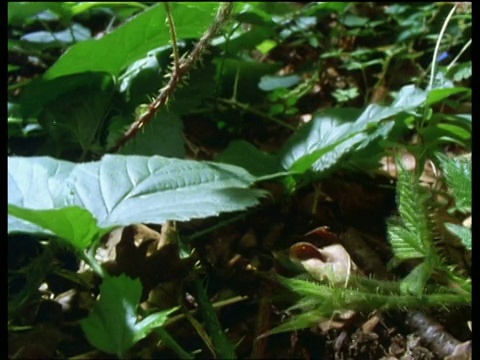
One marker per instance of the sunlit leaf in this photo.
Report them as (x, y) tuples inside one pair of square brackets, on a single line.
[(123, 190), (72, 224)]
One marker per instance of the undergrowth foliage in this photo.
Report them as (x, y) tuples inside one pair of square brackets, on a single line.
[(413, 236), (91, 150)]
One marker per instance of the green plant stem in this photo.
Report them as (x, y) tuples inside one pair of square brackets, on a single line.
[(89, 258), (219, 225), (201, 332), (172, 344), (177, 76), (173, 36), (235, 84), (263, 323), (216, 305), (223, 347), (437, 46), (247, 108), (19, 85), (464, 48), (316, 196)]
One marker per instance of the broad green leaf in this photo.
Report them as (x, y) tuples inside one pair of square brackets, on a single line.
[(330, 135), (37, 182), (122, 190), (40, 94), (116, 51), (409, 98), (320, 143), (73, 224), (354, 20), (77, 115), (242, 153), (112, 325), (144, 75), (440, 94), (80, 7), (325, 8), (161, 136), (20, 12), (250, 14), (447, 133)]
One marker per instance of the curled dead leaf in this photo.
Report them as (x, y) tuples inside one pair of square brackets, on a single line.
[(332, 263)]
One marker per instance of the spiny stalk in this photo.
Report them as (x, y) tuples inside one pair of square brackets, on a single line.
[(180, 70)]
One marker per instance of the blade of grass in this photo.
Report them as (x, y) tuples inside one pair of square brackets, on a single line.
[(223, 346)]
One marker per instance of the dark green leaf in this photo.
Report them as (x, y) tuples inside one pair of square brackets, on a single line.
[(77, 116), (161, 136), (110, 327), (440, 94), (20, 12), (116, 51), (242, 153)]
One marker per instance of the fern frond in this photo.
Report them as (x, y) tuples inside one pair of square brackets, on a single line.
[(321, 302), (458, 175), (405, 243), (414, 237)]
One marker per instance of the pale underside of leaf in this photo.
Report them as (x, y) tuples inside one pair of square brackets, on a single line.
[(122, 190)]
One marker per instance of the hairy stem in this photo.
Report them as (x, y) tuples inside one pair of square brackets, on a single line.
[(184, 66)]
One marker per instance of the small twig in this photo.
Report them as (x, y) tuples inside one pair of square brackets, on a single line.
[(432, 333), (259, 347)]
